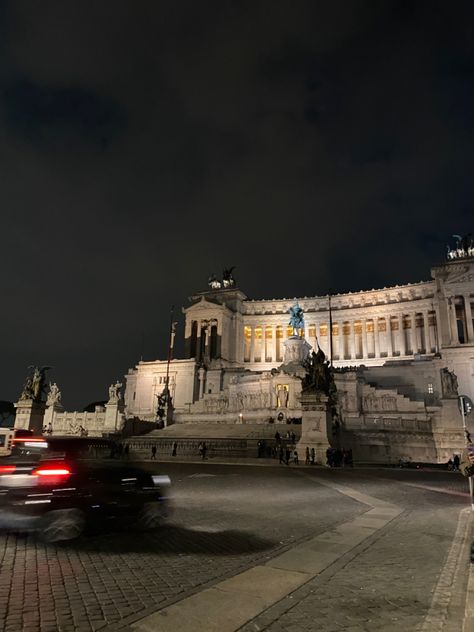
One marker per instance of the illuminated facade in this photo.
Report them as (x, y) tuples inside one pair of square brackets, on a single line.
[(401, 355)]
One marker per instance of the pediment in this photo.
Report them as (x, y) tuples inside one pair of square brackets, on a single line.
[(204, 304)]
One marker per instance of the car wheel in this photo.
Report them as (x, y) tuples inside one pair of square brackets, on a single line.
[(151, 516), (62, 525)]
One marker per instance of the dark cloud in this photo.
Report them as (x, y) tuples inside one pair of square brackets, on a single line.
[(144, 145), (41, 113)]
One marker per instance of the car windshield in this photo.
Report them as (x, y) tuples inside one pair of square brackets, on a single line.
[(40, 449), (29, 448)]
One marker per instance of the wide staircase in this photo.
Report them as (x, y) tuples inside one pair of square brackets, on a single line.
[(239, 441)]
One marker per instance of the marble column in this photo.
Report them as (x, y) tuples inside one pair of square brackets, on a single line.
[(363, 323), (426, 331), (263, 352), (401, 335), (353, 340), (376, 337), (337, 347), (453, 325), (468, 313), (274, 343), (414, 337), (388, 336), (252, 343)]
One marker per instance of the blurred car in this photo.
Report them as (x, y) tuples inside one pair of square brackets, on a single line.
[(58, 486)]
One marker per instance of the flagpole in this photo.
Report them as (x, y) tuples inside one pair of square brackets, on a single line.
[(330, 328), (172, 332)]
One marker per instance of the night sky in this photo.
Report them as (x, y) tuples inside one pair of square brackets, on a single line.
[(145, 145)]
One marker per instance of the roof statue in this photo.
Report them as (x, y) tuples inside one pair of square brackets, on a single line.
[(296, 318), (214, 283), (464, 247), (227, 280)]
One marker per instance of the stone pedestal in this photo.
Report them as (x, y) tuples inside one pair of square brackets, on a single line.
[(30, 415), (50, 413), (315, 426), (296, 352), (114, 417)]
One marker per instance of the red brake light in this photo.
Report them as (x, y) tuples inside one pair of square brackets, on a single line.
[(7, 469), (50, 471)]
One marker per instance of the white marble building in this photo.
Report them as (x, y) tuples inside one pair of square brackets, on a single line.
[(390, 347)]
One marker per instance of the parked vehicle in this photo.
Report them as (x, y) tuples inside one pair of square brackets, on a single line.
[(58, 486)]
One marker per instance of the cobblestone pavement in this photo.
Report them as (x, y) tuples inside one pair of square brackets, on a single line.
[(388, 583), (228, 519), (225, 520)]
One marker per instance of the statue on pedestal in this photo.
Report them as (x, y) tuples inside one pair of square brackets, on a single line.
[(318, 376), (54, 394), (296, 319), (34, 386), (114, 392)]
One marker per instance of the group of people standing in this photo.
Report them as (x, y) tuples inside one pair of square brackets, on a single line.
[(336, 457)]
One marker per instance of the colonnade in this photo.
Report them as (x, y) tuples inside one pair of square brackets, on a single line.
[(461, 326), (381, 336)]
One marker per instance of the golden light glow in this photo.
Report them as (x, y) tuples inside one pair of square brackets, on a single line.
[(323, 330)]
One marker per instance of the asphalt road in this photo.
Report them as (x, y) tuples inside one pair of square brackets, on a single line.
[(229, 518)]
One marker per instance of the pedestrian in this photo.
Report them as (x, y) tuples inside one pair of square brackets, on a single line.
[(204, 450), (175, 447), (456, 462), (281, 454), (307, 458), (287, 455), (277, 437), (329, 457), (313, 457), (259, 449), (153, 452), (293, 437), (127, 450), (295, 457), (200, 448), (450, 464)]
